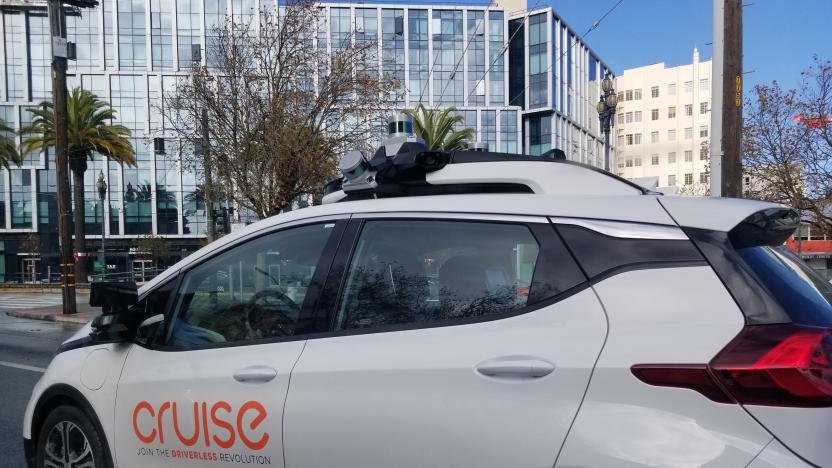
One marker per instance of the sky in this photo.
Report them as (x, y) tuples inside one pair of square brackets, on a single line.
[(779, 36)]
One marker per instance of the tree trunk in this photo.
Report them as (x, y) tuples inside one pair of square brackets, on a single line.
[(78, 170)]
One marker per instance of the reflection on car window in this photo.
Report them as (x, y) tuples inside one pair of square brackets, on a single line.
[(412, 271), (250, 292)]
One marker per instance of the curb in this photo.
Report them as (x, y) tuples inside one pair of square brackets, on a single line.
[(49, 317)]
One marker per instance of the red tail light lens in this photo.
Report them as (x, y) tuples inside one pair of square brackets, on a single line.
[(770, 365), (778, 365)]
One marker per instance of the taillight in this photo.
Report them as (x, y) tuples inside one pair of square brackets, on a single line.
[(778, 365), (771, 365)]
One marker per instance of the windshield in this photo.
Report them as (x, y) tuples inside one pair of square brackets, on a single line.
[(803, 293)]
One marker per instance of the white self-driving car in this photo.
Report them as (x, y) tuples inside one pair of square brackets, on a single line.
[(465, 309)]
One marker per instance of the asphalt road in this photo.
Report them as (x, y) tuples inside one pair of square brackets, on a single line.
[(25, 347)]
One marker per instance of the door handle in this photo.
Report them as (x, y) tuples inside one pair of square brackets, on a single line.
[(255, 374), (516, 367)]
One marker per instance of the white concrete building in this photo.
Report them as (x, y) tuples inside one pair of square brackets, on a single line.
[(663, 125)]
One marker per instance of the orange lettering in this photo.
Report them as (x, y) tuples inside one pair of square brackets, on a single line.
[(191, 440), (261, 415), (205, 423), (165, 406), (144, 438), (222, 424)]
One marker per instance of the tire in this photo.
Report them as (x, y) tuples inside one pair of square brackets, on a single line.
[(86, 444)]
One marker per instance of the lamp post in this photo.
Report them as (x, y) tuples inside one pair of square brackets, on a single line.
[(606, 114), (101, 185)]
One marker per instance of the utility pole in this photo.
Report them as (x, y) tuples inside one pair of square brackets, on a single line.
[(57, 32), (732, 100)]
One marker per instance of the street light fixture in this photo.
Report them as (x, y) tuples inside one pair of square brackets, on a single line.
[(101, 185), (606, 114)]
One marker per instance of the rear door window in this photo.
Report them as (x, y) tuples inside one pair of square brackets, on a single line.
[(804, 295), (408, 272)]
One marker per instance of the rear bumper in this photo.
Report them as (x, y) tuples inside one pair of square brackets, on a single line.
[(29, 452)]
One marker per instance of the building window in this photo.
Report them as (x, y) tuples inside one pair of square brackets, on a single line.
[(538, 60), (671, 157), (392, 52), (654, 91), (703, 84), (671, 180), (620, 140), (703, 107), (703, 177), (629, 117), (417, 39), (654, 159), (496, 59), (161, 34), (629, 162), (620, 118), (508, 131), (671, 135), (638, 161), (703, 153), (637, 138), (654, 137), (688, 178), (621, 96), (628, 95), (671, 89), (132, 36), (688, 109), (688, 86), (654, 114), (637, 94), (475, 43), (688, 156), (703, 131), (671, 112), (188, 25), (629, 138), (21, 198), (488, 130), (637, 116), (688, 133)]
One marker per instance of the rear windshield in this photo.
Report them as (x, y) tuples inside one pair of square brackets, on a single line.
[(802, 292)]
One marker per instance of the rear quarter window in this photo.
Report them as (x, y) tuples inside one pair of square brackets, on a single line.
[(801, 292)]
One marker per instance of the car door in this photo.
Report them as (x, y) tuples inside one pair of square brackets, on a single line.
[(207, 387), (463, 341)]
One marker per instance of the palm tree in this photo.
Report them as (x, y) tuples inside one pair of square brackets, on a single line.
[(436, 128), (8, 153), (90, 131)]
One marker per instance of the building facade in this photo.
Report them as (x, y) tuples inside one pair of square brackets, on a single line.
[(663, 125), (521, 78)]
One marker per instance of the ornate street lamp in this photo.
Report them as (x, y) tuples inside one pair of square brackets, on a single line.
[(101, 185), (606, 114)]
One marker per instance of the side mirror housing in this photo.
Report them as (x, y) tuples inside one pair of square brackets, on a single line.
[(116, 324)]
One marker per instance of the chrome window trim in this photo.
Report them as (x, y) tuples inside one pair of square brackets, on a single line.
[(625, 230), (453, 216)]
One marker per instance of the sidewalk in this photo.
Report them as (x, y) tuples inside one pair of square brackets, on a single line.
[(54, 313)]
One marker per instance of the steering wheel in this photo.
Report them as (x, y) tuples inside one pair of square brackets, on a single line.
[(265, 316)]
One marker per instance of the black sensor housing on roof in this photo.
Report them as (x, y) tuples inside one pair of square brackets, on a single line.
[(403, 174)]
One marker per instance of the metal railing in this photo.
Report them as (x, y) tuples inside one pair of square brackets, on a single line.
[(139, 276)]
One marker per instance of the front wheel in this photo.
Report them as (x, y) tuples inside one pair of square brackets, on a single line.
[(68, 439)]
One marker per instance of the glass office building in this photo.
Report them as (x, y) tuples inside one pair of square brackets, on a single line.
[(521, 78)]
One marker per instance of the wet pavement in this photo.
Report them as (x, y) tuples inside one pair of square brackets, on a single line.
[(26, 347)]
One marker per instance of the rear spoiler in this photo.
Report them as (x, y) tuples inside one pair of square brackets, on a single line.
[(748, 222), (768, 227)]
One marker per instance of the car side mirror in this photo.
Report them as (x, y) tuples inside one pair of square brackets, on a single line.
[(116, 324)]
